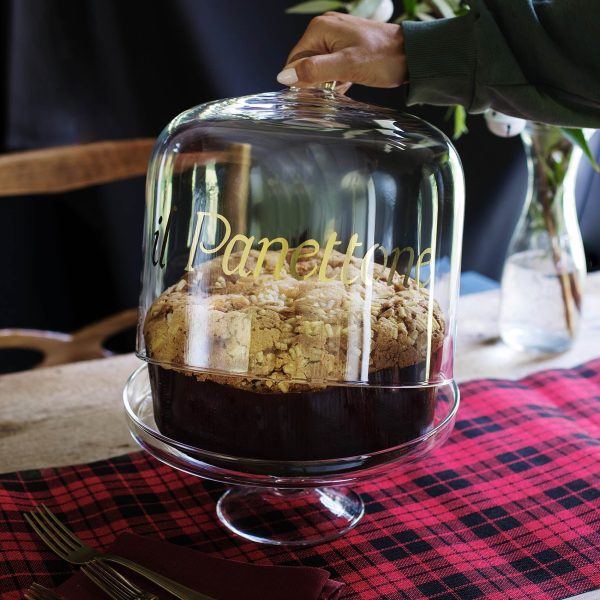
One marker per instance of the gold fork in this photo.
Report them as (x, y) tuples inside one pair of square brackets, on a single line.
[(65, 544), (39, 592)]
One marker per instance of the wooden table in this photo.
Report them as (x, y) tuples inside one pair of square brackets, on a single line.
[(74, 414)]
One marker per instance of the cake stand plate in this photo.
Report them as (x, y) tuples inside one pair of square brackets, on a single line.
[(265, 503)]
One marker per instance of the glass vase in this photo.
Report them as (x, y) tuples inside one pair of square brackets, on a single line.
[(544, 271)]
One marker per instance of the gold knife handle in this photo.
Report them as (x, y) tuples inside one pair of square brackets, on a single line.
[(177, 589)]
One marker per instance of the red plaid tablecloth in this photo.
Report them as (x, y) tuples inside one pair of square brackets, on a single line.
[(508, 508)]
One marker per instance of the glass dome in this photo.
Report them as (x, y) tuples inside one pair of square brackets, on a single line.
[(300, 281)]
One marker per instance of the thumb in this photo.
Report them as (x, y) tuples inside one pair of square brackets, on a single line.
[(314, 69)]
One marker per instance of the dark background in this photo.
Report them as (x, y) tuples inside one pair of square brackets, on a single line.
[(85, 70)]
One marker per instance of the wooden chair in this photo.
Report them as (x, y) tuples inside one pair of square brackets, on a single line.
[(63, 169), (67, 168)]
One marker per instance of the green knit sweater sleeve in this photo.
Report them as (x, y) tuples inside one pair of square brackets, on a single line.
[(536, 59)]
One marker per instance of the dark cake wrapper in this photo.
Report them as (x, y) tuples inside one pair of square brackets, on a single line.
[(330, 423)]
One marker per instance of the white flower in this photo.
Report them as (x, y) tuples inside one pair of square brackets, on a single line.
[(383, 12), (504, 125)]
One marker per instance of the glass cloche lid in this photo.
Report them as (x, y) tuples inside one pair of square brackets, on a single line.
[(301, 264)]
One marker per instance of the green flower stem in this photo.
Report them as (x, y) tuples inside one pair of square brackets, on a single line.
[(552, 155)]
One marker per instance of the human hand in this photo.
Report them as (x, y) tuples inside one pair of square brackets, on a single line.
[(347, 49)]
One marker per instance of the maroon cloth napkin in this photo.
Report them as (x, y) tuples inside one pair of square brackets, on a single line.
[(222, 579)]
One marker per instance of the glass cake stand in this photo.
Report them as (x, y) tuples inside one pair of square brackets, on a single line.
[(293, 503)]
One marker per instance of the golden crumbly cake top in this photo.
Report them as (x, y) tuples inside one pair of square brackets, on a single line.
[(272, 332)]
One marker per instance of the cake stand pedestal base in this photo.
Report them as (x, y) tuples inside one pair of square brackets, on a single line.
[(290, 517)]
